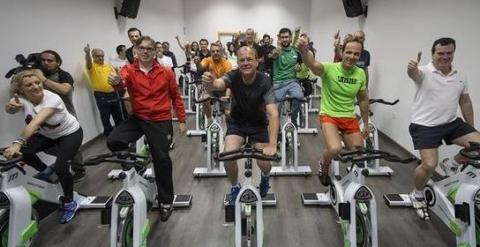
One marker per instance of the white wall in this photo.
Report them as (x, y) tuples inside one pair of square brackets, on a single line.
[(66, 26), (204, 18), (395, 32)]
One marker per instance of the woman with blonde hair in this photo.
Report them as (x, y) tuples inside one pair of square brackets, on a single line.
[(48, 124)]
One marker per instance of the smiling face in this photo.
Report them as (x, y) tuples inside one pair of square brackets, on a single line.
[(31, 87), (133, 36), (351, 54), (247, 61), (285, 39), (146, 51), (442, 57)]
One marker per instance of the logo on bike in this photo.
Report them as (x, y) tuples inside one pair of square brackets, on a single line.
[(13, 177), (125, 199), (248, 196)]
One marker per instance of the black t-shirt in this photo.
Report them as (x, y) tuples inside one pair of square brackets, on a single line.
[(62, 76), (248, 101), (129, 54)]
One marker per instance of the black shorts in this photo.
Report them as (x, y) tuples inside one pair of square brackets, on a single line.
[(425, 137), (255, 133)]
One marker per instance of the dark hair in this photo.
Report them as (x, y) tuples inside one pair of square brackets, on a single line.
[(158, 43), (120, 48), (145, 38), (443, 41), (203, 40), (55, 54), (134, 29), (265, 36), (285, 30), (165, 43)]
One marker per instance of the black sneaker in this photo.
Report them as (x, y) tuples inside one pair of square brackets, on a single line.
[(165, 211), (323, 174), (78, 176)]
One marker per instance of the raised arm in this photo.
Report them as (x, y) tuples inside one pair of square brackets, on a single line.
[(88, 58), (307, 57)]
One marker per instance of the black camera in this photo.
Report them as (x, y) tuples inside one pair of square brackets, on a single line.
[(31, 62)]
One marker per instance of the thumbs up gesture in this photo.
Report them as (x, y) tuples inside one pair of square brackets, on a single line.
[(86, 49), (114, 79), (413, 63), (14, 105)]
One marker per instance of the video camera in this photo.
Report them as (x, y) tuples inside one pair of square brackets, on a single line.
[(31, 62)]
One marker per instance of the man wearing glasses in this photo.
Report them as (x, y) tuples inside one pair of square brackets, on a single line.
[(254, 114), (108, 101), (153, 91)]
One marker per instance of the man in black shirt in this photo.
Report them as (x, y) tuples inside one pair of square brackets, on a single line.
[(253, 114)]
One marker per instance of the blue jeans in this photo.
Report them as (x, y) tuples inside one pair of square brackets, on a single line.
[(293, 89)]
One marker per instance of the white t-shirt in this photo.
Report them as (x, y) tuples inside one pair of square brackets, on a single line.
[(165, 61), (118, 63), (61, 123), (437, 96)]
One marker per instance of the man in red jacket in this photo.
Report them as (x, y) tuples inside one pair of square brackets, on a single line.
[(153, 90)]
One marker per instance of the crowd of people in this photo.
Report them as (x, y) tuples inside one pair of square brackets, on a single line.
[(255, 75)]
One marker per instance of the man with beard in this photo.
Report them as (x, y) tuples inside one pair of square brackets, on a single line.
[(254, 115), (286, 63)]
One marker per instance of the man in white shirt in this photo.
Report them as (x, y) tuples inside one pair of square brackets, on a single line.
[(440, 87), (165, 61)]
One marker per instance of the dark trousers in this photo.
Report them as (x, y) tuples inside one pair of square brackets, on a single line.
[(66, 147), (159, 138), (109, 104)]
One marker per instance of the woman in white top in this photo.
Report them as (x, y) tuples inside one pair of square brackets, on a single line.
[(48, 124)]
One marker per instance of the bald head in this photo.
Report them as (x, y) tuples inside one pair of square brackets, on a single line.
[(98, 55)]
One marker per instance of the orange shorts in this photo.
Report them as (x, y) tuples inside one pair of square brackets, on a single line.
[(346, 125)]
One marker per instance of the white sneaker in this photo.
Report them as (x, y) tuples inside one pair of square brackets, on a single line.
[(420, 206), (448, 167)]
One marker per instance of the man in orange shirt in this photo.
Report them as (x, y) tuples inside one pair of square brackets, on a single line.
[(217, 65)]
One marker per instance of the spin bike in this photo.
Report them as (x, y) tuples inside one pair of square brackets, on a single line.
[(455, 199), (351, 198), (247, 213), (25, 200), (129, 225), (187, 82), (371, 143), (289, 145), (200, 118), (214, 138)]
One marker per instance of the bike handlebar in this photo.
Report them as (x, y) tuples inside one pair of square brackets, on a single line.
[(6, 165), (366, 155), (472, 152), (248, 152), (211, 98), (290, 98), (126, 158)]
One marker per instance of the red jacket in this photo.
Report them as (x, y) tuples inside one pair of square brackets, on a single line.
[(153, 94)]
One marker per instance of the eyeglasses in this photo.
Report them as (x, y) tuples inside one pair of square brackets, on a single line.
[(143, 48), (245, 60)]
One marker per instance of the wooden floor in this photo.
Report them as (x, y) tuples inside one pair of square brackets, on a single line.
[(288, 224)]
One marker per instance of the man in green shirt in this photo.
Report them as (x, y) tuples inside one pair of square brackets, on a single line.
[(341, 83), (286, 63)]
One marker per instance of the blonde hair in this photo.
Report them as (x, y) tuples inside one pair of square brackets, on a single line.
[(17, 81)]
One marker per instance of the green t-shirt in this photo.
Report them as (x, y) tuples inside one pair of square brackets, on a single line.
[(284, 65), (339, 89)]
